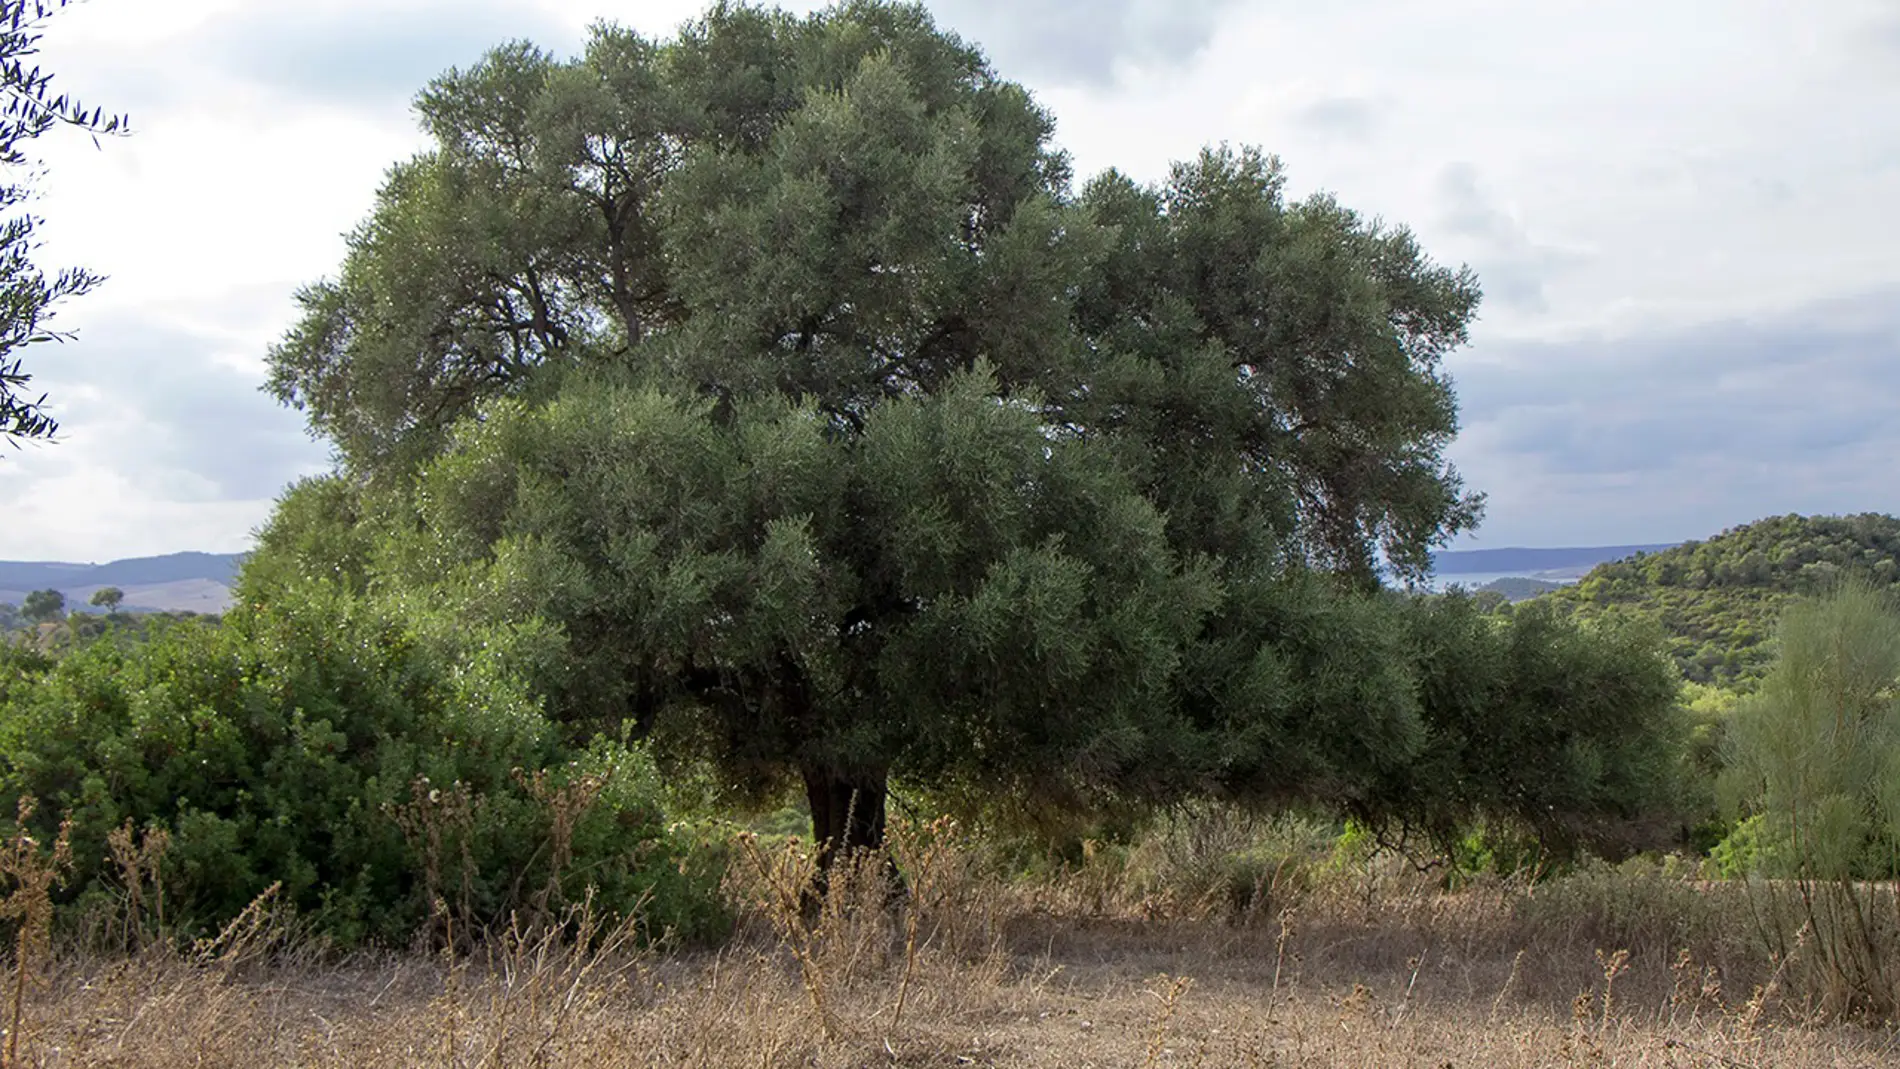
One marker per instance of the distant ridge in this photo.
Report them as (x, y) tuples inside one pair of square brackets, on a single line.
[(38, 575), (1529, 561), (191, 581), (171, 568), (201, 582)]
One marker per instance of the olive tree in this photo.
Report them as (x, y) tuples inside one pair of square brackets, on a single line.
[(784, 367)]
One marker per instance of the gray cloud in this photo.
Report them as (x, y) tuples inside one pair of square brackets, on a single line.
[(161, 408), (1679, 434), (1884, 32), (1350, 118), (1513, 267), (365, 57), (1081, 41)]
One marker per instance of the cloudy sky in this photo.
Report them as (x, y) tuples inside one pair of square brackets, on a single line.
[(1686, 216)]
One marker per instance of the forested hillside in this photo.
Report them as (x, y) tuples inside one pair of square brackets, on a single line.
[(1719, 599), (1519, 587)]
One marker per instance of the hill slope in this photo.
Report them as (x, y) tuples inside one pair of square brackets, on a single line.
[(1719, 600)]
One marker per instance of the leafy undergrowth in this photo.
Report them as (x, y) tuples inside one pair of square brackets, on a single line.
[(1359, 964)]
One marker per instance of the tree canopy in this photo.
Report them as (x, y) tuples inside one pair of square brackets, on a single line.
[(783, 369), (853, 208), (42, 606)]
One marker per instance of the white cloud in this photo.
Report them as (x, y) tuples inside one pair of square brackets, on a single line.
[(1629, 176), (93, 513)]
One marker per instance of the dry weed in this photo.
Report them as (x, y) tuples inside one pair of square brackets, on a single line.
[(32, 872), (953, 967)]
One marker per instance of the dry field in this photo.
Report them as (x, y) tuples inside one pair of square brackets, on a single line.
[(1631, 967)]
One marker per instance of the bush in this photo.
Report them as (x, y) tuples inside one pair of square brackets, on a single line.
[(1746, 850), (1212, 858), (1815, 761), (339, 748), (1654, 907), (20, 667), (1569, 733), (1499, 851)]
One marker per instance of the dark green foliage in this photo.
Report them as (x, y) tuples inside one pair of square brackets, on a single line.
[(853, 207), (1718, 601), (1003, 564), (1301, 338), (1708, 711), (1297, 690), (20, 668), (43, 606), (1535, 721), (314, 534), (285, 746)]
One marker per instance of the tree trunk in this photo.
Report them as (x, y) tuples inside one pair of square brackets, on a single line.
[(847, 815), (847, 810)]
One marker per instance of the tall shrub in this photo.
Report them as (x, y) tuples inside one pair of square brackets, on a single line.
[(1814, 756)]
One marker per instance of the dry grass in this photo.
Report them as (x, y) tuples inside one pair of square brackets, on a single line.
[(1367, 966)]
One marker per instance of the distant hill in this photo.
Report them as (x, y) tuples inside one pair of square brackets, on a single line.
[(175, 582), (38, 575), (1719, 600), (1519, 588), (1522, 561)]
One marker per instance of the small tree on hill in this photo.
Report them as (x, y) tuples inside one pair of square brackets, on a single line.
[(108, 598), (43, 606)]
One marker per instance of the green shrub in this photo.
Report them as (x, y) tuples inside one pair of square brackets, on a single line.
[(1814, 759), (20, 667), (1500, 851), (343, 750), (1747, 849), (1568, 733)]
